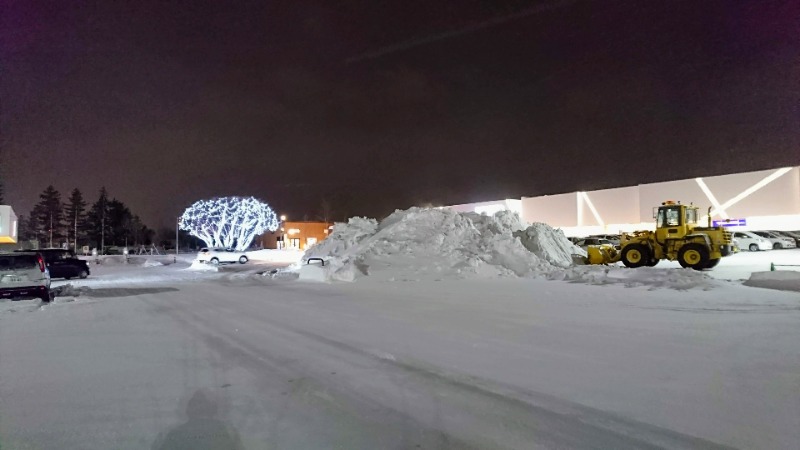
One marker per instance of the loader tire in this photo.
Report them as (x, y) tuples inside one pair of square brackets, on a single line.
[(712, 263), (653, 261), (635, 255), (694, 256)]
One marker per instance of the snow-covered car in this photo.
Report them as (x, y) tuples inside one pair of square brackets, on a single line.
[(614, 238), (221, 255), (593, 242), (778, 241), (24, 275), (752, 242)]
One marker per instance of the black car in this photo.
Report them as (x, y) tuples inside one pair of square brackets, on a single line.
[(63, 263)]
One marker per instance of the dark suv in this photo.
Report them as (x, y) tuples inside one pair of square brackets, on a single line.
[(63, 263)]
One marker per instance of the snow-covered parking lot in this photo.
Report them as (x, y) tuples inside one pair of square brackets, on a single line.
[(152, 355)]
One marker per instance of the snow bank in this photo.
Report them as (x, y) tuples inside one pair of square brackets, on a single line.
[(202, 267), (437, 244), (784, 280), (680, 279), (276, 256)]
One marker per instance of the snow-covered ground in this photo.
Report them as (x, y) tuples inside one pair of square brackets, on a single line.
[(509, 351)]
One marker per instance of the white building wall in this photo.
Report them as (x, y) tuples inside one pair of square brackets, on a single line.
[(8, 225), (556, 210), (766, 199)]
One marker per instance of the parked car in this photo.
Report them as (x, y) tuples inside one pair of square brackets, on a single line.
[(778, 241), (221, 255), (63, 263), (788, 234), (752, 242), (24, 275)]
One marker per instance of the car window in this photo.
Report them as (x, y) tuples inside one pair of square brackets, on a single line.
[(17, 262)]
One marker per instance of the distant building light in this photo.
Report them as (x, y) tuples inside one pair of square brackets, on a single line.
[(489, 210), (293, 231)]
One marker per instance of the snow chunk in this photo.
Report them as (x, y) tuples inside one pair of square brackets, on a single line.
[(151, 263), (549, 244)]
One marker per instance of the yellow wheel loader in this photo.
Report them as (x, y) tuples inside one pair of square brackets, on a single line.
[(677, 237)]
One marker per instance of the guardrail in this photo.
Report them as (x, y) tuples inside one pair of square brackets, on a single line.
[(772, 266)]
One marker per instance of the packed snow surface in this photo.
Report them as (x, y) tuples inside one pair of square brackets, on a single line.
[(120, 359)]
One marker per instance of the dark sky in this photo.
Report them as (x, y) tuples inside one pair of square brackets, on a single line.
[(376, 105)]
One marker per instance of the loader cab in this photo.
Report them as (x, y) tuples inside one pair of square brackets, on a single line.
[(674, 221)]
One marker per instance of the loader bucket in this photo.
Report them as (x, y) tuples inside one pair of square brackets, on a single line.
[(601, 255)]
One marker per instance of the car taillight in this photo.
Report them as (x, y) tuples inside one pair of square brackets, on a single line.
[(40, 260)]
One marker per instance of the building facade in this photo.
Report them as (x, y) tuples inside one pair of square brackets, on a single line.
[(766, 199), (295, 235), (9, 227)]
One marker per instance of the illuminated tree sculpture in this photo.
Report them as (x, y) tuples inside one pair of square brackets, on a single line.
[(228, 222)]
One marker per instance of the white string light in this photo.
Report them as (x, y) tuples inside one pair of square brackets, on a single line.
[(228, 222)]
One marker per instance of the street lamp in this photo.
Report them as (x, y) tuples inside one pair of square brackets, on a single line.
[(283, 235)]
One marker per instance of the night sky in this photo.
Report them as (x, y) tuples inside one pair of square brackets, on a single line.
[(377, 105)]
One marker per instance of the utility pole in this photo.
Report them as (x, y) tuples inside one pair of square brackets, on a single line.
[(177, 230), (103, 230)]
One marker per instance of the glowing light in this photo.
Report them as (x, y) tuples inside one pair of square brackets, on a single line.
[(228, 222), (489, 210), (293, 230), (283, 218)]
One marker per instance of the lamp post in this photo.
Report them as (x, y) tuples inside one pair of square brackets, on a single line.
[(283, 235)]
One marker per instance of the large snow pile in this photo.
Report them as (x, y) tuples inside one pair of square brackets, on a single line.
[(438, 243)]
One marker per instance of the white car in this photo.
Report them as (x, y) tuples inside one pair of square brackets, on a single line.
[(24, 275), (221, 255), (777, 240), (752, 242)]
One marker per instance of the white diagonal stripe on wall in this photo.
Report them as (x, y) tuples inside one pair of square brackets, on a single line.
[(711, 198), (593, 209), (749, 191)]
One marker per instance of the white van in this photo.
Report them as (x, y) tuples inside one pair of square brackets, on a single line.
[(24, 275)]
